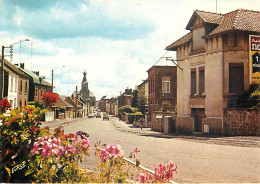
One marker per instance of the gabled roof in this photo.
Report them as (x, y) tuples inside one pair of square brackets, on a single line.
[(14, 68), (183, 40), (35, 77), (163, 61), (62, 103), (207, 17), (240, 20)]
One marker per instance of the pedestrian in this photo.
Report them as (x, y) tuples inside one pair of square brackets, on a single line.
[(142, 125)]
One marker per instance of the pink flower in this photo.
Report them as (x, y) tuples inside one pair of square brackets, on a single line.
[(144, 178), (111, 151), (70, 148)]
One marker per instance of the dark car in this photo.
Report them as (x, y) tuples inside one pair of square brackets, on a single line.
[(105, 116), (98, 115)]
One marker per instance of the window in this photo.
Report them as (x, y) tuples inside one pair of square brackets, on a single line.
[(236, 77), (20, 104), (26, 87), (21, 86), (15, 87), (193, 82), (12, 84), (166, 85), (36, 92), (202, 80), (14, 104)]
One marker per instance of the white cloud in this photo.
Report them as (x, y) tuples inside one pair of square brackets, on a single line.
[(114, 61)]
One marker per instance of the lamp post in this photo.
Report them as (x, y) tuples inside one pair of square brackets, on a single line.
[(52, 76), (11, 48), (2, 85)]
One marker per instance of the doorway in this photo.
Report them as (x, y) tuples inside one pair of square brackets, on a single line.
[(197, 115)]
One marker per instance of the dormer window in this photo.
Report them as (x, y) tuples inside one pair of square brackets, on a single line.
[(198, 43)]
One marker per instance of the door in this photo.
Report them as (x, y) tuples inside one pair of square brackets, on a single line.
[(197, 115)]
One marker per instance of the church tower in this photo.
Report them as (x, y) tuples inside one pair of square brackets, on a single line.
[(84, 86)]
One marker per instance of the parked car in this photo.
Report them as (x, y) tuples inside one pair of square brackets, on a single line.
[(98, 115), (105, 116), (91, 115)]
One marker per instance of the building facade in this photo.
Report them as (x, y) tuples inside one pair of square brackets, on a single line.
[(37, 85), (162, 84), (215, 67), (16, 86)]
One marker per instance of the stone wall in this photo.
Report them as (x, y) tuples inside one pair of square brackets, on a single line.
[(241, 122), (157, 121)]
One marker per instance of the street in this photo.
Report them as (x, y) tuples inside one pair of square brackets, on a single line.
[(197, 162)]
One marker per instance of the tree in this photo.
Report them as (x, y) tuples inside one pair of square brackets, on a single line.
[(142, 101), (135, 98), (250, 98), (50, 99)]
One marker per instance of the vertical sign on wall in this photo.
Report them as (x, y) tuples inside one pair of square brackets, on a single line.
[(254, 58)]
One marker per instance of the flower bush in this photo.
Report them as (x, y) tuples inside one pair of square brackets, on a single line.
[(18, 131), (32, 154), (4, 105), (49, 99), (57, 159), (111, 165)]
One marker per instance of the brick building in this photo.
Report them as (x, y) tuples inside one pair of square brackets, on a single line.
[(162, 84), (16, 85), (37, 85), (216, 69), (126, 98)]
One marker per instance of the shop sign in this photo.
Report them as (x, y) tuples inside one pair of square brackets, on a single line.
[(254, 58)]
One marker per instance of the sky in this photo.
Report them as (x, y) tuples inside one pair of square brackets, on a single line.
[(114, 41)]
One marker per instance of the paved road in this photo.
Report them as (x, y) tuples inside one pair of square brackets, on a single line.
[(197, 161)]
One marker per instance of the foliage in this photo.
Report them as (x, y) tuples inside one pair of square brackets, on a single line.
[(126, 108), (135, 98), (49, 99), (111, 165), (18, 130), (37, 104), (164, 173), (136, 113), (56, 158), (250, 98), (32, 154), (142, 101), (4, 105)]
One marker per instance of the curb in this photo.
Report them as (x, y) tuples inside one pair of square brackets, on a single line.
[(204, 139)]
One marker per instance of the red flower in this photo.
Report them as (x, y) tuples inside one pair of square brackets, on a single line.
[(136, 150), (33, 129), (4, 104), (50, 99)]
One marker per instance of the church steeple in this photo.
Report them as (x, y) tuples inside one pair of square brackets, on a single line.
[(84, 86), (84, 77)]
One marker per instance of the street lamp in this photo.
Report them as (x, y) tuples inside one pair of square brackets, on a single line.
[(52, 73), (11, 48), (2, 64)]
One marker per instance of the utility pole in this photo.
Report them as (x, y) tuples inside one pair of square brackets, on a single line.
[(76, 102), (2, 72), (52, 81), (2, 79), (216, 6)]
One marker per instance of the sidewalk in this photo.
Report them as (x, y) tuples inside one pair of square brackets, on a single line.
[(242, 141)]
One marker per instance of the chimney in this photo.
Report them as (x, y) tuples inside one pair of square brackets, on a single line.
[(22, 65)]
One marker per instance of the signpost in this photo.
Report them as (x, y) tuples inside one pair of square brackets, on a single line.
[(254, 58)]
